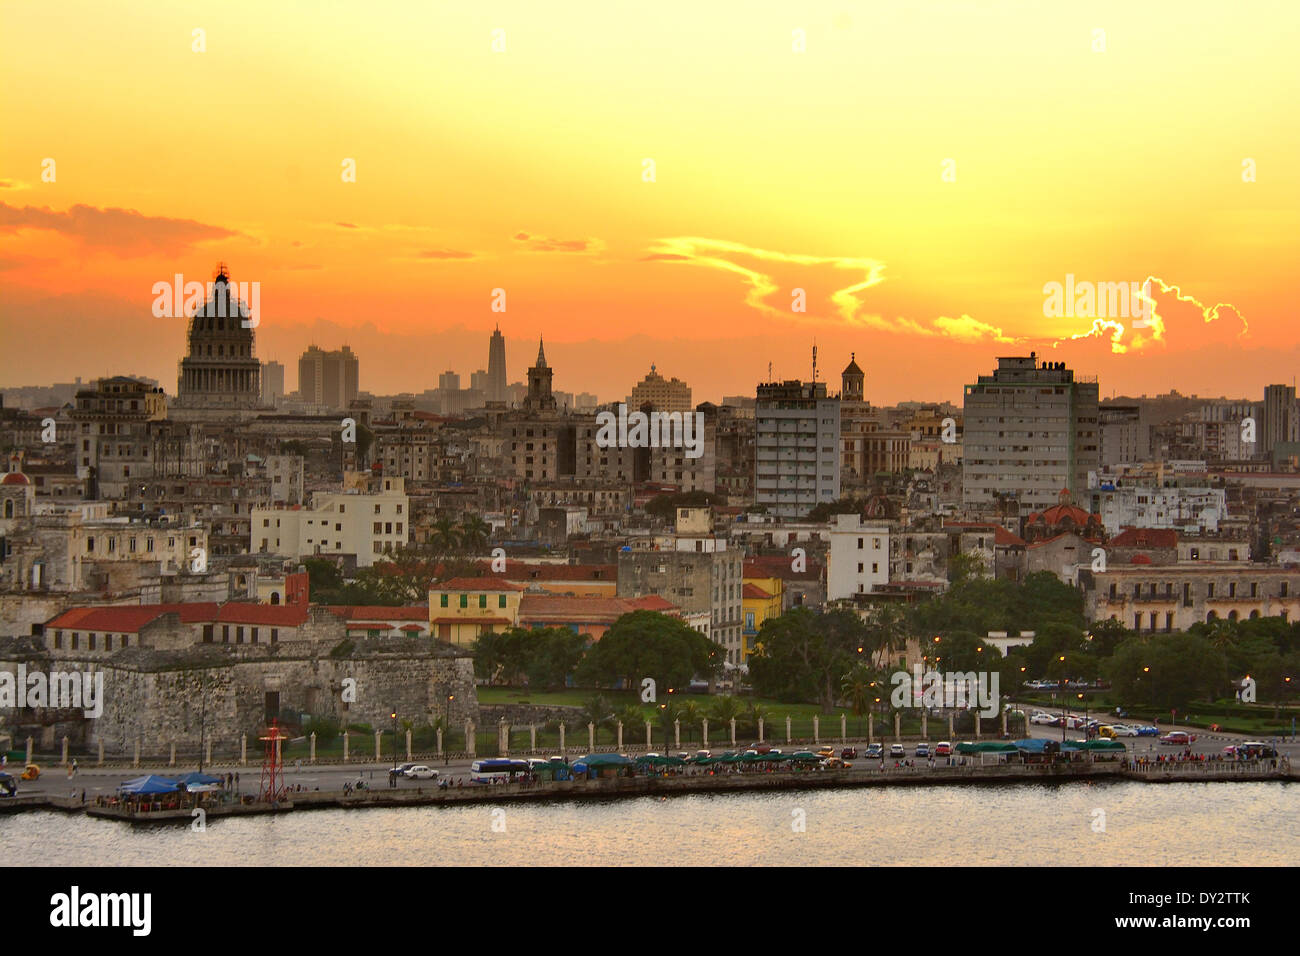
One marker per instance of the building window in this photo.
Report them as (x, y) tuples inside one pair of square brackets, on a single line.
[(482, 600), (501, 600), (464, 600), (442, 600), (58, 640)]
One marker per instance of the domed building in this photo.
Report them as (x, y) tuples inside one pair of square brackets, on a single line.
[(220, 372)]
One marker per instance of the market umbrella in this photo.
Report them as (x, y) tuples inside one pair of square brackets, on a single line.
[(149, 785)]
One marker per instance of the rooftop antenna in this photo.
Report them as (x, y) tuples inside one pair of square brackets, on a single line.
[(769, 371), (814, 370)]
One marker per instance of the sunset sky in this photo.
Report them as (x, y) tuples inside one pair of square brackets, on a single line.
[(1112, 156)]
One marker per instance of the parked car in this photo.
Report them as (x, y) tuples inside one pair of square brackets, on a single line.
[(761, 748), (421, 772), (1107, 731), (7, 786), (826, 752), (835, 763), (874, 752), (849, 753), (1147, 730), (943, 749), (897, 750), (400, 769), (31, 772), (1041, 718), (704, 753), (1178, 738), (923, 750)]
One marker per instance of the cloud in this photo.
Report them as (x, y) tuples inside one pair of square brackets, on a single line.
[(547, 244), (1152, 328), (347, 225), (444, 254), (123, 231), (845, 301)]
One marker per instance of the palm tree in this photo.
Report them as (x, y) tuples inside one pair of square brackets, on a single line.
[(857, 688), (444, 537), (689, 713), (632, 718), (597, 711), (754, 714), (723, 709), (474, 532)]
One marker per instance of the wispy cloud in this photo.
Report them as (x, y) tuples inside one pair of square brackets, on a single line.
[(124, 231), (547, 244)]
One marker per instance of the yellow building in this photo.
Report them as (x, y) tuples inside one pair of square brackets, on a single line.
[(463, 608), (760, 600)]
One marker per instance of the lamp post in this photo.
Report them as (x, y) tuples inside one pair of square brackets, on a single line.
[(1065, 703), (446, 732), (392, 780)]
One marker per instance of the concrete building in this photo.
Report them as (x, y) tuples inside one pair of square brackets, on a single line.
[(1192, 508), (495, 389), (664, 395), (797, 447), (858, 559), (116, 423), (1031, 429), (1173, 598), (364, 525), (1125, 434), (328, 379), (1279, 418), (701, 574), (272, 383)]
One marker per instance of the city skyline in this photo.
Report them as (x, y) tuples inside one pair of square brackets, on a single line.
[(622, 233)]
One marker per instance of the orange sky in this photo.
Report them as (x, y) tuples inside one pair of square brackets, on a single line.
[(1112, 156)]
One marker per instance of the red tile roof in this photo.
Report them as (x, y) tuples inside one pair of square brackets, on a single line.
[(779, 566), (128, 619), (754, 591), (477, 584), (1145, 538), (352, 612)]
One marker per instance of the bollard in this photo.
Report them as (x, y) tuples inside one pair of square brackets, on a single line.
[(312, 757)]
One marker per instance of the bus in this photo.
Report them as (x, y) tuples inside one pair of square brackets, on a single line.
[(497, 768)]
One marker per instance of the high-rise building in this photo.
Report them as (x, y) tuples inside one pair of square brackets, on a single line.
[(116, 425), (220, 371), (449, 381), (539, 398), (1279, 421), (797, 447), (272, 382), (478, 381), (496, 370), (665, 395), (329, 379), (1031, 431)]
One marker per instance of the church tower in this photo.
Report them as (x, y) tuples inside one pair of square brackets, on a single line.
[(852, 380), (539, 397)]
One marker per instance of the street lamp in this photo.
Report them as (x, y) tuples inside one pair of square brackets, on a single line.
[(1065, 703), (392, 781), (446, 732)]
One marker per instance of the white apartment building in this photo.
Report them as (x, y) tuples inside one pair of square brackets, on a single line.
[(858, 561), (1030, 431), (366, 525), (797, 448), (1193, 510)]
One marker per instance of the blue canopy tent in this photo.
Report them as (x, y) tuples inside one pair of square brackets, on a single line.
[(149, 785), (196, 782)]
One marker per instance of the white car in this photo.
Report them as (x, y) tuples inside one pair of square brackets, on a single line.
[(1124, 730), (1041, 719), (421, 772)]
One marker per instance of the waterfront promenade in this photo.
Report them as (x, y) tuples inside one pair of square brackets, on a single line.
[(614, 787)]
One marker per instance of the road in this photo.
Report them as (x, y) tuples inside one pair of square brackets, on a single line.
[(55, 780)]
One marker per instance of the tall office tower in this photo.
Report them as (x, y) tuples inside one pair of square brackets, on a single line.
[(220, 371), (328, 378), (666, 395), (496, 370), (478, 381), (449, 381), (539, 397), (272, 382), (797, 447), (1031, 430), (1279, 421)]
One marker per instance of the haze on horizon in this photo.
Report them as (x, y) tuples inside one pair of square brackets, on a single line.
[(920, 171)]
